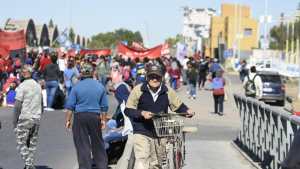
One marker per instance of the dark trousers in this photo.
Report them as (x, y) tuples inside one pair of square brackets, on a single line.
[(201, 80), (219, 100), (87, 137)]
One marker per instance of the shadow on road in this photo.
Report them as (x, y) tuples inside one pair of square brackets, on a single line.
[(43, 167)]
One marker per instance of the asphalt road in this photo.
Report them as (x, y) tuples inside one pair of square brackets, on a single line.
[(208, 148)]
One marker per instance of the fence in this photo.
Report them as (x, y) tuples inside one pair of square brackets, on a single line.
[(266, 132)]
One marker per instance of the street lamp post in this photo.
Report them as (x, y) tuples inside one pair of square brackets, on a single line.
[(265, 26)]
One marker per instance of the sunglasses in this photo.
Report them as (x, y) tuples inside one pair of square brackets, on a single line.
[(156, 77)]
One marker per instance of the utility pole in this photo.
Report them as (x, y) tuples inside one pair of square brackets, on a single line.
[(235, 31), (297, 37), (265, 26)]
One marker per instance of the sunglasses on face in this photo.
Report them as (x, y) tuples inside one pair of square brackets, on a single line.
[(156, 77)]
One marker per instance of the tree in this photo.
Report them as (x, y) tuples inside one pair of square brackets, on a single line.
[(83, 42), (72, 35), (109, 39), (172, 41), (278, 34), (51, 24)]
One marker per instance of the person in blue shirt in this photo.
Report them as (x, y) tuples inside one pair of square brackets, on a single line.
[(215, 67), (71, 74), (88, 103)]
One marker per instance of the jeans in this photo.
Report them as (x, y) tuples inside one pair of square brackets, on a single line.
[(219, 101), (51, 87), (174, 83), (112, 136), (68, 91), (192, 89)]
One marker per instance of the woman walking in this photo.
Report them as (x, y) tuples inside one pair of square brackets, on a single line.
[(218, 84)]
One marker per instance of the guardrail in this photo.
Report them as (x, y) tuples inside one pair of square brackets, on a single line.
[(266, 132)]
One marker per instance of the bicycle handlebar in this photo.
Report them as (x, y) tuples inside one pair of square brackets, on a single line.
[(170, 114)]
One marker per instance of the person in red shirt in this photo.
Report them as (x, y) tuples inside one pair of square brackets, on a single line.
[(45, 60)]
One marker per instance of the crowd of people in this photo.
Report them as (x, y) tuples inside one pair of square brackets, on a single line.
[(80, 84), (62, 72)]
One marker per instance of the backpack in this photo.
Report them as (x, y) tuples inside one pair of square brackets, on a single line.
[(218, 86), (250, 89), (202, 67), (59, 99)]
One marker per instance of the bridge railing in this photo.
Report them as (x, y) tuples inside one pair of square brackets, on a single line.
[(266, 132)]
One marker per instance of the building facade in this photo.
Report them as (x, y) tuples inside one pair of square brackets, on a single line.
[(235, 31), (196, 27)]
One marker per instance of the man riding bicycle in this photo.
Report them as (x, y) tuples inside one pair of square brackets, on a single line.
[(146, 100)]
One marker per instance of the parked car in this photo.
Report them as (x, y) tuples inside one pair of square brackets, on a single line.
[(273, 89)]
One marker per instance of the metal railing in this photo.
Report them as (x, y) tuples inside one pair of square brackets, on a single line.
[(266, 132)]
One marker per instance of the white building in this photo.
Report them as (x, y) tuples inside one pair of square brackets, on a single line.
[(196, 26)]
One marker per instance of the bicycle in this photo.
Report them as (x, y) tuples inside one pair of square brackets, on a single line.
[(170, 126)]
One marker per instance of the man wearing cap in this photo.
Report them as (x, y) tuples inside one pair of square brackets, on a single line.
[(89, 104), (146, 99), (27, 115)]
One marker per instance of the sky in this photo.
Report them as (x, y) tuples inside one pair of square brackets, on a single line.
[(155, 19)]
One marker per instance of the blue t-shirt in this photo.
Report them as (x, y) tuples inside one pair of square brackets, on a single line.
[(215, 67), (88, 95), (69, 73)]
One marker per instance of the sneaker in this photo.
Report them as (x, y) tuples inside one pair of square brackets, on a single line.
[(49, 109), (194, 97), (221, 113)]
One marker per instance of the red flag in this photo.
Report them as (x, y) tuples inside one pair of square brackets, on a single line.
[(13, 40), (152, 53)]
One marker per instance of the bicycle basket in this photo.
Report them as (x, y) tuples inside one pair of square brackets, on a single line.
[(167, 126)]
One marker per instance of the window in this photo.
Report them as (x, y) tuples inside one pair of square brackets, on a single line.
[(248, 32)]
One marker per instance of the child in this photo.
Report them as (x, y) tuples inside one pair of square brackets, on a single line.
[(218, 84), (11, 94)]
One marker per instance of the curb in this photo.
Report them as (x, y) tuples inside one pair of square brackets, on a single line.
[(246, 157)]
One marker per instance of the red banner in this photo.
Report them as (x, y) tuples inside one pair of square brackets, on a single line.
[(14, 40), (138, 46), (100, 52), (4, 51), (152, 53)]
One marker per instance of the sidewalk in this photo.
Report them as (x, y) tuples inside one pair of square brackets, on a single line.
[(210, 147)]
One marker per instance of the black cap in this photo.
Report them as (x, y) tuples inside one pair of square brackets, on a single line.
[(155, 69)]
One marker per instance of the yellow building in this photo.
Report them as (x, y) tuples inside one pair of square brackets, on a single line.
[(235, 29)]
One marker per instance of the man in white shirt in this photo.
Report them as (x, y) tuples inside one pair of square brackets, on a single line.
[(257, 82)]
